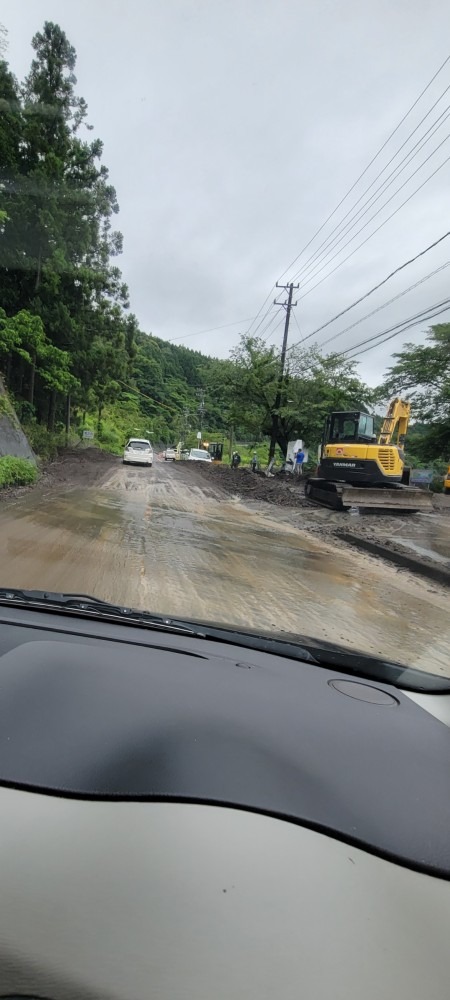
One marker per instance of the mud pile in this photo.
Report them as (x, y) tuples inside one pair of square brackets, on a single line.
[(285, 491)]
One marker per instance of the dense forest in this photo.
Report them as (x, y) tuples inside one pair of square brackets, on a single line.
[(71, 351)]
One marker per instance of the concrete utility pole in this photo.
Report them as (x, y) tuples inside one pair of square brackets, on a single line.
[(288, 305), (201, 410)]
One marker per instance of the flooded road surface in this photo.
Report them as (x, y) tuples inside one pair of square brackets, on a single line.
[(160, 539)]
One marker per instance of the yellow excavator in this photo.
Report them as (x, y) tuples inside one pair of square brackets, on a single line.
[(447, 482), (358, 469)]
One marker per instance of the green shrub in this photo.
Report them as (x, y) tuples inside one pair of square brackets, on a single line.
[(46, 443), (110, 440), (25, 411), (16, 471), (42, 442)]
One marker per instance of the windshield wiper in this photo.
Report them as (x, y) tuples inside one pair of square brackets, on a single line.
[(331, 656), (307, 649), (89, 606)]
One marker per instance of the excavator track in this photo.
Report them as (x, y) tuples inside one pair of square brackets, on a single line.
[(342, 496)]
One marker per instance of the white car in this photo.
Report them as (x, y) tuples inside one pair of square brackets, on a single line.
[(199, 455), (138, 451), (170, 454)]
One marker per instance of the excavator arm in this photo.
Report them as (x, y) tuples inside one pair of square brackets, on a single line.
[(395, 423)]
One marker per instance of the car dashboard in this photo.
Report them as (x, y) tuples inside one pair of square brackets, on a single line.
[(186, 818)]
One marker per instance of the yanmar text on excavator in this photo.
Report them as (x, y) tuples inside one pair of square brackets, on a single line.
[(358, 469)]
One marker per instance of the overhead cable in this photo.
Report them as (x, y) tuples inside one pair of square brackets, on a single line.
[(385, 304), (369, 237), (380, 284), (329, 244), (398, 328), (372, 161)]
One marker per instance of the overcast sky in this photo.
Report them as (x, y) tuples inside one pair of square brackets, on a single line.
[(231, 130)]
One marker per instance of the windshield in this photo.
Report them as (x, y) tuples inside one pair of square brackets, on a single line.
[(366, 426), (139, 445), (351, 426), (221, 229)]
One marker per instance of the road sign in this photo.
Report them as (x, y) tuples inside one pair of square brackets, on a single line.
[(88, 435), (199, 435)]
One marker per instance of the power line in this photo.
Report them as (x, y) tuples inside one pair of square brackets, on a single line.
[(379, 210), (398, 328), (272, 332), (385, 304), (211, 329), (270, 321), (382, 171), (271, 324), (371, 291), (263, 318), (132, 388), (329, 243), (353, 186), (298, 328), (366, 240), (380, 284), (405, 328), (372, 161)]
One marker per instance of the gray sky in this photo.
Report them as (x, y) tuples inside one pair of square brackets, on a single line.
[(231, 131)]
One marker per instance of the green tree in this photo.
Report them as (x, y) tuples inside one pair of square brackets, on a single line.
[(3, 39), (313, 386), (56, 205), (422, 374)]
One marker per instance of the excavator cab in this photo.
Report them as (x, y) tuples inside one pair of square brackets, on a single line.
[(349, 427)]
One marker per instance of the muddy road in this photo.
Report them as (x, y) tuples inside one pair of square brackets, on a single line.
[(170, 541)]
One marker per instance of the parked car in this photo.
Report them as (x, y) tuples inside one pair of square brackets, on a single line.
[(199, 455), (138, 451), (170, 454)]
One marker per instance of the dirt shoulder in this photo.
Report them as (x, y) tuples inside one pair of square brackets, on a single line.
[(80, 467), (73, 467)]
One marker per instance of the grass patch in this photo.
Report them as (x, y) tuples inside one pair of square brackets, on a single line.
[(16, 471)]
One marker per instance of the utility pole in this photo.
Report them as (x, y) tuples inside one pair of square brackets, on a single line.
[(184, 426), (288, 305), (201, 410)]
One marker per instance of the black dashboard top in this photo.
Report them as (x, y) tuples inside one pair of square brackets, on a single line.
[(115, 712)]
